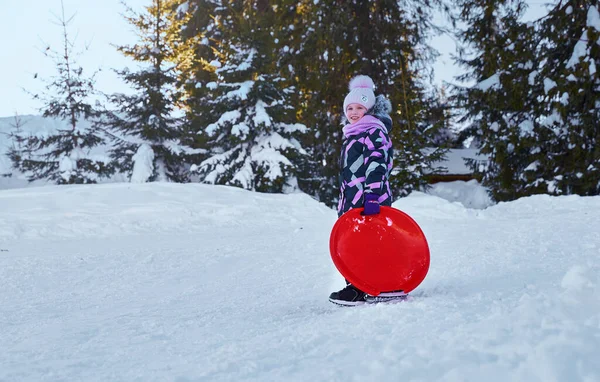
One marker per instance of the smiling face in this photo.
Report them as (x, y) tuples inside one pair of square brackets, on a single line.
[(354, 112)]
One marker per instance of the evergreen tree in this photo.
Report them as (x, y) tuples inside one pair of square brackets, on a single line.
[(201, 36), (252, 137), (499, 55), (441, 116), (20, 148), (63, 156), (567, 159), (383, 39), (146, 132), (314, 56)]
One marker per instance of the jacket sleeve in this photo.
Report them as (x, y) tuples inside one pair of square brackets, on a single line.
[(377, 145)]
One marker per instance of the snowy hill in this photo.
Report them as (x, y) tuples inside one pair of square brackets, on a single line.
[(171, 282)]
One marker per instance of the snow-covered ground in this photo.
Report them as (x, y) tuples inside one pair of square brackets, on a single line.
[(470, 194), (172, 282)]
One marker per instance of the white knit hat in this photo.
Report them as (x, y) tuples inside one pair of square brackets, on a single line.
[(361, 92)]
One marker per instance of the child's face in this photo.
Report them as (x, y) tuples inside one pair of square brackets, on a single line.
[(354, 112)]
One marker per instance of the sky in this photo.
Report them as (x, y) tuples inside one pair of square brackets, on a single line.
[(31, 26), (191, 282)]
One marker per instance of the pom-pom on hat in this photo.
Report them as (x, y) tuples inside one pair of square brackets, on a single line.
[(361, 92)]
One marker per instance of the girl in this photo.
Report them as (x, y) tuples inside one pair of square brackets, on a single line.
[(366, 162)]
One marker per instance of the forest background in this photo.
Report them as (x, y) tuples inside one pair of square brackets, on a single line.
[(249, 93)]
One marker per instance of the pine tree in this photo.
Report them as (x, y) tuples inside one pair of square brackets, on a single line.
[(252, 137), (63, 156), (312, 57), (146, 132), (201, 36), (567, 160), (441, 117), (20, 148), (499, 57), (383, 39)]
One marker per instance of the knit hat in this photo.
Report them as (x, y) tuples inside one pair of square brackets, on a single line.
[(361, 92)]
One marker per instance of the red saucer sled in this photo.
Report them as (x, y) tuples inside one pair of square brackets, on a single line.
[(380, 253)]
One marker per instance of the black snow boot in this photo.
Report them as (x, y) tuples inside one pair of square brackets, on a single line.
[(349, 296)]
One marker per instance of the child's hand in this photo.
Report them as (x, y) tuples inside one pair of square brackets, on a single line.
[(371, 204)]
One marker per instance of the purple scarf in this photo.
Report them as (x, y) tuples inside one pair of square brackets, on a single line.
[(365, 123)]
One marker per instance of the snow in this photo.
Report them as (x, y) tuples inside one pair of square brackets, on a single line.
[(240, 129), (245, 56), (551, 119), (261, 117), (247, 63), (490, 83), (579, 51), (569, 10), (548, 85), (291, 128), (176, 147), (226, 118), (526, 128), (67, 165), (182, 9), (244, 175), (143, 164), (275, 141), (576, 279), (532, 166), (469, 194), (593, 18), (531, 77), (173, 282), (218, 161), (271, 159), (242, 91)]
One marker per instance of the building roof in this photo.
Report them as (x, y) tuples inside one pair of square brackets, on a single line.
[(455, 161)]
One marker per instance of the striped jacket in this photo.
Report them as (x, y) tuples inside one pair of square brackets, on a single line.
[(366, 162)]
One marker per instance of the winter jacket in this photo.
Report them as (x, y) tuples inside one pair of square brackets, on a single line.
[(366, 159)]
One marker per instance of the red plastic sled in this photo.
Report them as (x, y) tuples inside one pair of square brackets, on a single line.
[(380, 253)]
